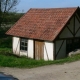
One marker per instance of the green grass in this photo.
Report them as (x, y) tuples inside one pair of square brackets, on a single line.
[(7, 59)]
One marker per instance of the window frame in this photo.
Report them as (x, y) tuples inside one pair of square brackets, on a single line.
[(23, 44)]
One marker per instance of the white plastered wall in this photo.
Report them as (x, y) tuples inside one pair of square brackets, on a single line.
[(30, 49), (71, 25), (60, 49), (16, 48), (16, 45), (77, 26), (66, 33), (48, 50)]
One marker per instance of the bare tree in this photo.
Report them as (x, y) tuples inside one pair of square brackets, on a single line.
[(7, 6)]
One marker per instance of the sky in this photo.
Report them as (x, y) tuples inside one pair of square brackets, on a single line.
[(25, 5)]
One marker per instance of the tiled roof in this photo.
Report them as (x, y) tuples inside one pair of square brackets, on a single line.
[(42, 24)]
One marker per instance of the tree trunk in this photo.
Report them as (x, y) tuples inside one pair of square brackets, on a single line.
[(0, 14)]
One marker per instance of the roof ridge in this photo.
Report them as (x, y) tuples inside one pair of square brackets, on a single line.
[(56, 8)]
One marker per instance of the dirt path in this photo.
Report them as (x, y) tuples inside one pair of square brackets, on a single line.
[(69, 71)]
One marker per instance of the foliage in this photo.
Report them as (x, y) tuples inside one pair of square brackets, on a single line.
[(3, 31), (6, 42), (7, 59), (11, 18), (6, 6)]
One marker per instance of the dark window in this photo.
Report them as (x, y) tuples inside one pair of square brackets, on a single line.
[(76, 43), (69, 45), (23, 44), (73, 44)]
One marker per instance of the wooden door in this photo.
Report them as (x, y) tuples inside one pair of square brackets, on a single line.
[(39, 50)]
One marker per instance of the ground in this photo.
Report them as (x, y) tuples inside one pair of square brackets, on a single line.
[(67, 71)]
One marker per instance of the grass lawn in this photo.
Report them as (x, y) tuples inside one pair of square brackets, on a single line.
[(9, 60)]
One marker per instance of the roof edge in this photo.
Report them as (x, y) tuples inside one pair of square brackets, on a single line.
[(66, 23), (17, 22), (55, 8)]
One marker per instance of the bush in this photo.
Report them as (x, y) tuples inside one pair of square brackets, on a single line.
[(6, 42)]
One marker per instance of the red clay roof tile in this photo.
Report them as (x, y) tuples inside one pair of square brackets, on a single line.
[(43, 24)]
